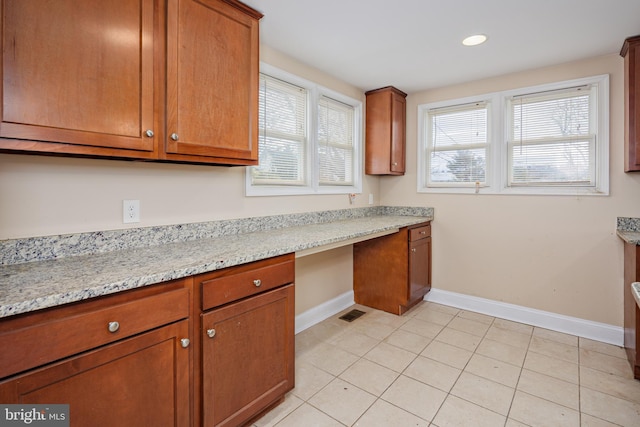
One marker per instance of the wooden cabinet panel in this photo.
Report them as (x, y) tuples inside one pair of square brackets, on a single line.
[(136, 382), (631, 311), (393, 273), (247, 356), (212, 80), (385, 132), (419, 270), (173, 80), (225, 286), (75, 332), (78, 75), (631, 53)]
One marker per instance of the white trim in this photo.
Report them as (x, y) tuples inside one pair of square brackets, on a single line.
[(556, 322), (323, 311)]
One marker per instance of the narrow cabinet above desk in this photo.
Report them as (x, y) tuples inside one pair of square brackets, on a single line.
[(172, 80), (385, 149)]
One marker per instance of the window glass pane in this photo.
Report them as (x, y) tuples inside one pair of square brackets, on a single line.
[(458, 166), (567, 163), (282, 125), (458, 144), (551, 140), (335, 142)]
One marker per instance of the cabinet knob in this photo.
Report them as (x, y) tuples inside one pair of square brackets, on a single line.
[(413, 249), (211, 333), (149, 133), (174, 136), (184, 342), (395, 163), (257, 282), (114, 326)]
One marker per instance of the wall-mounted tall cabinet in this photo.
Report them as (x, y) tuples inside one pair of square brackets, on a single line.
[(631, 54), (385, 131), (173, 80)]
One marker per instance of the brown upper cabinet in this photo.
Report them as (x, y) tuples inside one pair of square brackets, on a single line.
[(173, 80), (385, 131), (631, 54)]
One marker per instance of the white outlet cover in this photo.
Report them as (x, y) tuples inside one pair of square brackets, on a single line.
[(130, 211)]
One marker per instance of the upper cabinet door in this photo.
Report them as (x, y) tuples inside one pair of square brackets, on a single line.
[(79, 75), (212, 82), (385, 131)]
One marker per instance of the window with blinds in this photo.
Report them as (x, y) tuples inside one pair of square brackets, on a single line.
[(552, 138), (335, 142), (457, 144), (546, 139), (282, 140), (310, 139)]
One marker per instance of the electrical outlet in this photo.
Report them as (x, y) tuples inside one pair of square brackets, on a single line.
[(130, 211), (370, 198)]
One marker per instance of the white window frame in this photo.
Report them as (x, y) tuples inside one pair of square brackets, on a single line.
[(312, 184), (497, 168)]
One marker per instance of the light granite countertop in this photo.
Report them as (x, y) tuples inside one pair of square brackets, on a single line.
[(628, 229), (80, 267)]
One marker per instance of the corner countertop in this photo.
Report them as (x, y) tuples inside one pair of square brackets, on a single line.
[(635, 290), (64, 269), (628, 229)]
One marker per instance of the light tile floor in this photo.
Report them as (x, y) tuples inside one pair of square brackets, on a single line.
[(440, 366)]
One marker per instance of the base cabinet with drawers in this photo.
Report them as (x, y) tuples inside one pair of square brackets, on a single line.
[(247, 333), (393, 272), (122, 360)]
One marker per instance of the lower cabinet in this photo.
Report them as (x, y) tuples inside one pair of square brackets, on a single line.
[(393, 272), (116, 361), (631, 310), (247, 334), (141, 381)]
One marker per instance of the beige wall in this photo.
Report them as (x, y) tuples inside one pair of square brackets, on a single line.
[(552, 253), (48, 196)]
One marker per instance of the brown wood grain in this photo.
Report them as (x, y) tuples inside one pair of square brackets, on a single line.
[(388, 275), (385, 131)]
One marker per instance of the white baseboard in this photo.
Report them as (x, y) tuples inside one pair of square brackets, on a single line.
[(323, 311), (557, 322)]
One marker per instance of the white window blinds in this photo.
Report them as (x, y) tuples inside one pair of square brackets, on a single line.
[(335, 142), (457, 144), (282, 134), (552, 138)]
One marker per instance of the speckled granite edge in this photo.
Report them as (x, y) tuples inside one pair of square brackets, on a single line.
[(25, 287), (17, 251), (628, 229)]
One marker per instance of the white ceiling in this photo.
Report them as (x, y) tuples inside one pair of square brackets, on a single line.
[(416, 44)]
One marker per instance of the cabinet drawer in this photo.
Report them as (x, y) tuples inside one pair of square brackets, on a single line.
[(45, 340), (420, 232), (251, 279)]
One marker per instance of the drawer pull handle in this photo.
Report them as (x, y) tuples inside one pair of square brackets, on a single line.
[(257, 282), (211, 333), (114, 326), (423, 232), (184, 342), (413, 249)]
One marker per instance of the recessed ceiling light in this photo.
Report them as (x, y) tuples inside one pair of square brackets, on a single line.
[(474, 40)]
